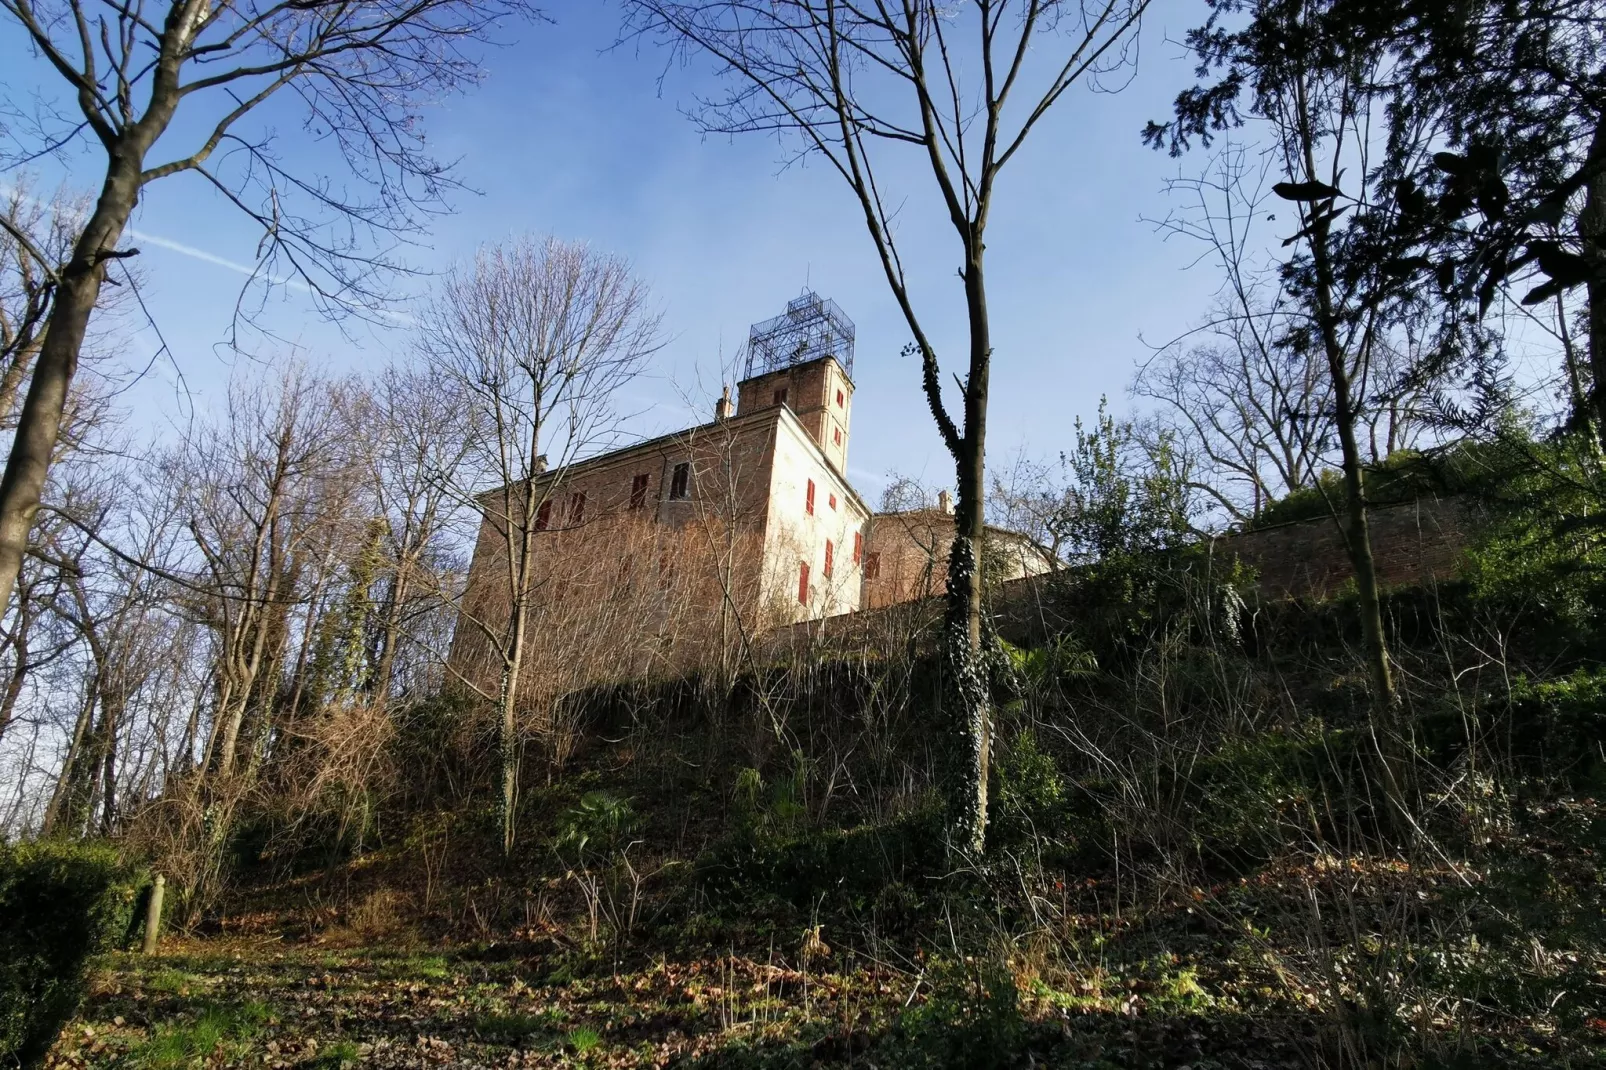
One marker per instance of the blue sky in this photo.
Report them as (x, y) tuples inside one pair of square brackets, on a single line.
[(570, 138)]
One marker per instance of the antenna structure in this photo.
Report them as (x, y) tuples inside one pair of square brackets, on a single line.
[(811, 327)]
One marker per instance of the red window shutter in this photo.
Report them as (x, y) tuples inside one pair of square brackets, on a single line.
[(839, 399), (872, 566), (829, 552), (836, 436), (832, 500), (808, 500), (858, 546), (803, 582), (543, 516)]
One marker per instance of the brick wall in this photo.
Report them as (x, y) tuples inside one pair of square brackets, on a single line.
[(1415, 543), (1412, 543)]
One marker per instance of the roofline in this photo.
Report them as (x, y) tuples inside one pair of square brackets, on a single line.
[(994, 528), (819, 451), (801, 364), (623, 452)]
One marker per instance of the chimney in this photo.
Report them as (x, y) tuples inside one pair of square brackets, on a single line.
[(945, 501), (724, 407), (540, 464)]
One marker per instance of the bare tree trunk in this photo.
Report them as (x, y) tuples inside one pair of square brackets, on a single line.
[(385, 659), (192, 732), (111, 717), (968, 685), (20, 665), (507, 697), (61, 797), (77, 293), (1356, 527), (249, 669), (1592, 228)]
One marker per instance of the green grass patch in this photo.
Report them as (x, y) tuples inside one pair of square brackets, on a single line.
[(175, 1045), (414, 968), (337, 1056), (511, 1028), (168, 982)]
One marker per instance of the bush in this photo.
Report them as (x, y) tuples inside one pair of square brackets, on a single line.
[(60, 904), (1556, 726), (972, 1018), (837, 871), (1030, 802)]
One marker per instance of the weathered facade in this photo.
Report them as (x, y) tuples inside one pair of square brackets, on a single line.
[(679, 550), (908, 556), (682, 550)]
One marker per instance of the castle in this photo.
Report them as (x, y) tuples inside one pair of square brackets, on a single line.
[(683, 549)]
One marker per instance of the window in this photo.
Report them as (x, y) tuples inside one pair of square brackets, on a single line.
[(577, 507), (808, 499), (638, 491), (543, 516), (839, 401), (780, 396), (858, 546), (803, 582), (872, 566), (830, 552), (836, 436), (832, 500), (680, 482)]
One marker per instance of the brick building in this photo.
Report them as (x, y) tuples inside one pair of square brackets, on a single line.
[(908, 557), (676, 550)]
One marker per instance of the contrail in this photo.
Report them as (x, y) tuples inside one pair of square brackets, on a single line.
[(290, 281), (145, 237)]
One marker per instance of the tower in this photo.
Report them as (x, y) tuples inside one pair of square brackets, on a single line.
[(803, 359)]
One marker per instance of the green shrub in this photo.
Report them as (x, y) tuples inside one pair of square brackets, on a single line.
[(1556, 726), (60, 903), (595, 827), (971, 1018), (835, 870), (1031, 795)]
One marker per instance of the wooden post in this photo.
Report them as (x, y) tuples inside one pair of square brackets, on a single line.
[(153, 915)]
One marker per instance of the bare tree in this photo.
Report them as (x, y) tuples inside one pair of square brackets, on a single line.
[(115, 608), (1326, 90), (413, 441), (1254, 414), (962, 86), (1033, 497), (535, 339), (1254, 408), (26, 289), (360, 71), (252, 500)]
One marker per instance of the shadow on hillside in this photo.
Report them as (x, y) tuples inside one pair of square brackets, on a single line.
[(1097, 1041)]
